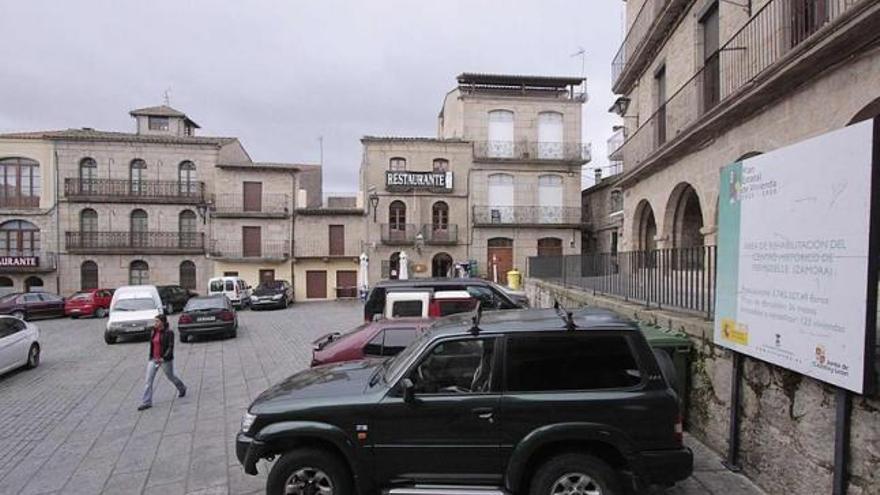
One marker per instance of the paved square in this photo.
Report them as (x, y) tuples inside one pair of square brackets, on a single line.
[(71, 425)]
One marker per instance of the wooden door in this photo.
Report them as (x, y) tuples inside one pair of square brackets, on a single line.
[(337, 240), (251, 242), (499, 255), (267, 276), (316, 284), (346, 283), (253, 196)]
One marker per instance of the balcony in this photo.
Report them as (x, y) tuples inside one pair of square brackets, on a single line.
[(399, 234), (751, 70), (27, 261), (235, 250), (135, 242), (532, 151), (235, 206), (20, 202), (127, 191), (440, 235), (527, 216)]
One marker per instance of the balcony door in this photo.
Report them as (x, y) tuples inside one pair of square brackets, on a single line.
[(550, 199), (139, 228), (397, 221), (807, 16), (187, 229), (253, 196), (711, 59), (501, 134), (88, 227), (251, 242), (499, 256), (137, 176), (19, 238), (501, 198), (337, 240), (88, 174), (440, 221), (550, 140)]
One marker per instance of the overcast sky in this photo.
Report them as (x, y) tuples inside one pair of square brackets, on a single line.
[(279, 74)]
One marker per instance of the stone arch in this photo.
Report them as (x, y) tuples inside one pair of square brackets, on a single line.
[(645, 227), (441, 265), (869, 111), (684, 217)]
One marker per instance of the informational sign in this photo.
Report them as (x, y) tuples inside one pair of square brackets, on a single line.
[(407, 181), (19, 261), (793, 247)]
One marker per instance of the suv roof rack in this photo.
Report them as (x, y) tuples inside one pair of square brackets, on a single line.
[(566, 315)]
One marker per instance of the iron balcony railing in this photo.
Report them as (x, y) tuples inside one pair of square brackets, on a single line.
[(679, 278), (500, 216), (234, 249), (773, 32), (27, 260), (399, 234), (270, 204), (635, 36), (532, 151), (440, 233), (128, 190), (135, 242)]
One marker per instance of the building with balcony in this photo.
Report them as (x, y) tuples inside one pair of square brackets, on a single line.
[(499, 183)]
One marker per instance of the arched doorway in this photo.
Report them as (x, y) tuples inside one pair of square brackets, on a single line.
[(499, 258), (6, 286), (394, 266), (138, 273), (686, 217), (441, 265), (88, 275), (646, 227), (188, 275), (33, 284), (19, 237)]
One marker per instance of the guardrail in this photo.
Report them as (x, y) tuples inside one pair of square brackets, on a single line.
[(500, 216), (138, 242), (270, 204), (142, 191), (532, 151), (236, 249)]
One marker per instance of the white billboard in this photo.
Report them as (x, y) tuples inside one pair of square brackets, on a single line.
[(793, 244)]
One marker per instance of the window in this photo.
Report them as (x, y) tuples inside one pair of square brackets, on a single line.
[(33, 284), (456, 367), (252, 196), (500, 143), (88, 275), (615, 201), (88, 227), (549, 246), (570, 362), (138, 273), (660, 94), (187, 229), (188, 275), (501, 198), (487, 298), (20, 178), (252, 242), (19, 237), (157, 123), (550, 192), (337, 240), (441, 166), (397, 216), (138, 227), (397, 163), (137, 173), (550, 136), (614, 242), (440, 216), (711, 58), (807, 16), (186, 178), (390, 341), (88, 174), (401, 309)]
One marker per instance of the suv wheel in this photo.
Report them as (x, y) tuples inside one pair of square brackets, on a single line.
[(575, 474), (308, 471)]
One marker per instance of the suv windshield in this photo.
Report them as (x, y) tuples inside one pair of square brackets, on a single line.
[(136, 304), (395, 364)]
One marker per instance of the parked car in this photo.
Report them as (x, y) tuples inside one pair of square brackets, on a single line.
[(515, 402), (427, 303), (29, 305), (90, 302), (133, 312), (235, 288), (274, 294), (381, 338), (491, 295), (174, 297), (209, 315), (19, 344)]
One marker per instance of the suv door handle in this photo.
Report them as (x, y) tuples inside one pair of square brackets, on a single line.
[(483, 412)]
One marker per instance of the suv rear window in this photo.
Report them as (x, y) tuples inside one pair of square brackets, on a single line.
[(406, 308), (570, 362), (216, 286)]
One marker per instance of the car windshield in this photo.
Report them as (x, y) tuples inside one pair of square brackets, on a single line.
[(200, 303), (80, 296), (216, 286), (396, 363), (275, 285), (135, 304)]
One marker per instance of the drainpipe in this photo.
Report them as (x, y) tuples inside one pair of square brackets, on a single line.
[(57, 225)]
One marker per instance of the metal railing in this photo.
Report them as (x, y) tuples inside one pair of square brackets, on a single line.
[(677, 278), (774, 31), (236, 249), (145, 190), (27, 260), (532, 151), (398, 234), (635, 36), (526, 215), (234, 204), (139, 242), (440, 234), (14, 201)]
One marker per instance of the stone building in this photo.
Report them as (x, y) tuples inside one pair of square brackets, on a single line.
[(498, 184), (82, 208)]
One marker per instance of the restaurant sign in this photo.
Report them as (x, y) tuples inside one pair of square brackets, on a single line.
[(407, 181), (19, 261)]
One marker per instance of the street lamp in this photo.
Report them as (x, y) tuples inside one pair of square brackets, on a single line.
[(374, 202)]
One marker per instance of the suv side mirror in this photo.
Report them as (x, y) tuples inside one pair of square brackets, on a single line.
[(408, 390)]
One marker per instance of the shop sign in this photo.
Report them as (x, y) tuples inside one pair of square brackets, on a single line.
[(19, 261), (408, 181)]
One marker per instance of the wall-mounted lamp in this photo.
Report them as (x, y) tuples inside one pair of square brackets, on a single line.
[(420, 242), (202, 209), (620, 106), (374, 202)]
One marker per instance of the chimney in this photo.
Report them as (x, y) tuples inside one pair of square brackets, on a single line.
[(598, 172)]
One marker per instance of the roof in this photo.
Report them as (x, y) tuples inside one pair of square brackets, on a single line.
[(417, 139), (517, 80), (323, 210), (534, 320), (282, 167), (87, 134), (162, 111)]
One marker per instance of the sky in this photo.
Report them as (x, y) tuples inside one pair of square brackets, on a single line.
[(280, 74)]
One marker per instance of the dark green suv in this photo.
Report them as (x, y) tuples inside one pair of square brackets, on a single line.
[(532, 401)]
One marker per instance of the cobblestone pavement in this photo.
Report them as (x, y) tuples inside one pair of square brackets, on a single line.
[(71, 425)]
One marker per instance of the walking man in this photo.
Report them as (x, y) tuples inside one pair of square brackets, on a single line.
[(161, 356)]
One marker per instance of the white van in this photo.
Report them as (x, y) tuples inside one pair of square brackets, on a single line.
[(133, 312), (234, 288)]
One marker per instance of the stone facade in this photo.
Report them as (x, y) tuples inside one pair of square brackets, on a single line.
[(603, 217)]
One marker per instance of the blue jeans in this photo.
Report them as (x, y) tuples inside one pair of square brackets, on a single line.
[(152, 369)]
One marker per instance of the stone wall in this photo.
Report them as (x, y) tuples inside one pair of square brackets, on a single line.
[(787, 420)]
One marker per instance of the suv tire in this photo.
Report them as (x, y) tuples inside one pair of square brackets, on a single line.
[(578, 468), (316, 465)]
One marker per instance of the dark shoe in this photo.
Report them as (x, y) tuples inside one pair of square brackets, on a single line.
[(181, 393), (144, 406)]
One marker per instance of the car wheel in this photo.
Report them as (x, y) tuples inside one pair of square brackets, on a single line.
[(306, 471), (100, 313), (20, 315), (33, 356), (575, 473), (74, 317), (109, 339)]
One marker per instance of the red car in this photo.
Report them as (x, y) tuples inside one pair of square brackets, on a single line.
[(91, 302), (376, 339)]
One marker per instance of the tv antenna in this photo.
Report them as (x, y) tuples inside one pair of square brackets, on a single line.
[(166, 96), (582, 53)]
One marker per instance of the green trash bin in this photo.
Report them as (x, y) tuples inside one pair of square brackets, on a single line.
[(678, 347)]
